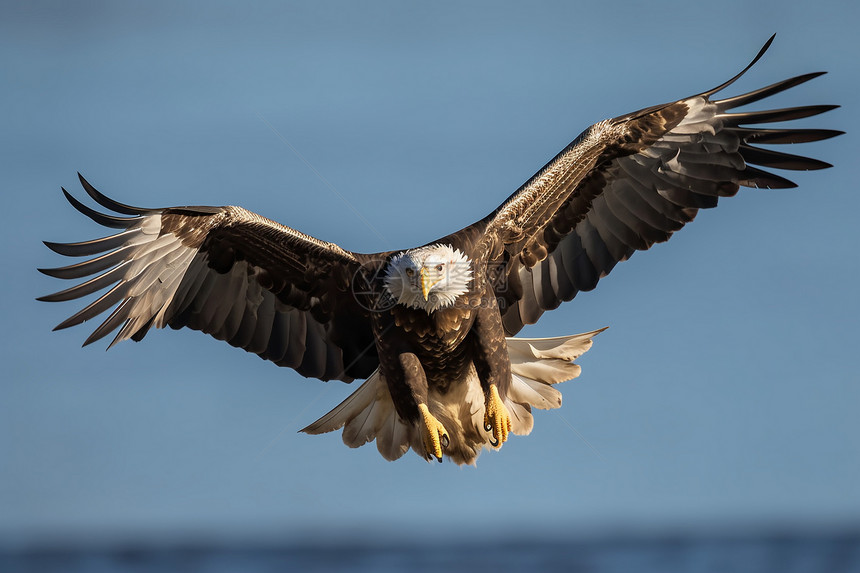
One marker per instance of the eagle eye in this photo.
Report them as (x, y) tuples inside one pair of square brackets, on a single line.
[(410, 272), (439, 268)]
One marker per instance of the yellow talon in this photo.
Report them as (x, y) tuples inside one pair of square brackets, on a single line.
[(496, 417), (433, 433)]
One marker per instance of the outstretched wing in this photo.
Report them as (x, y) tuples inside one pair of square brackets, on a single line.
[(225, 271), (629, 182)]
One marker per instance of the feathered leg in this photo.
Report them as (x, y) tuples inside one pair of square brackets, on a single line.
[(412, 404), (494, 370)]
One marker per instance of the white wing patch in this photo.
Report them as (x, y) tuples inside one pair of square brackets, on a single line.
[(145, 267)]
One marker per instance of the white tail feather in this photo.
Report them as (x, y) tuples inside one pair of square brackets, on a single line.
[(365, 415), (536, 364)]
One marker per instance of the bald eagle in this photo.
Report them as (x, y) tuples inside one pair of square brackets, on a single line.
[(431, 329)]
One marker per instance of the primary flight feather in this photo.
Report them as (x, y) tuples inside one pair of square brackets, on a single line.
[(431, 328)]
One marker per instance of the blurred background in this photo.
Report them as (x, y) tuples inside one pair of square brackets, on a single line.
[(716, 417)]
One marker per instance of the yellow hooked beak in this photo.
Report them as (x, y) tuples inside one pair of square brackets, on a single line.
[(426, 282)]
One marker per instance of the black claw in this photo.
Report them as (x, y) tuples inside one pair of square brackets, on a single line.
[(445, 442), (495, 443), (488, 427)]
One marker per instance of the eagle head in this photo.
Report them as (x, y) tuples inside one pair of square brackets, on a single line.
[(429, 278)]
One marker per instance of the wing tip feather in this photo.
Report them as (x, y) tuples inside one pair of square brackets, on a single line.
[(106, 220), (758, 56), (109, 203)]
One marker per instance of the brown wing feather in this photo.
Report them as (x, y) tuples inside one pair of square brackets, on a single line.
[(227, 272), (630, 182)]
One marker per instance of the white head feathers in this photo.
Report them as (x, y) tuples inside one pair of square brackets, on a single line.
[(430, 277)]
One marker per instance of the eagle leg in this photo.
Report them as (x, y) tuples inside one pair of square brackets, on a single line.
[(496, 417), (433, 434)]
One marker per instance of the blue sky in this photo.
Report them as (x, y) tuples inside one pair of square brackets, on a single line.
[(724, 392)]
